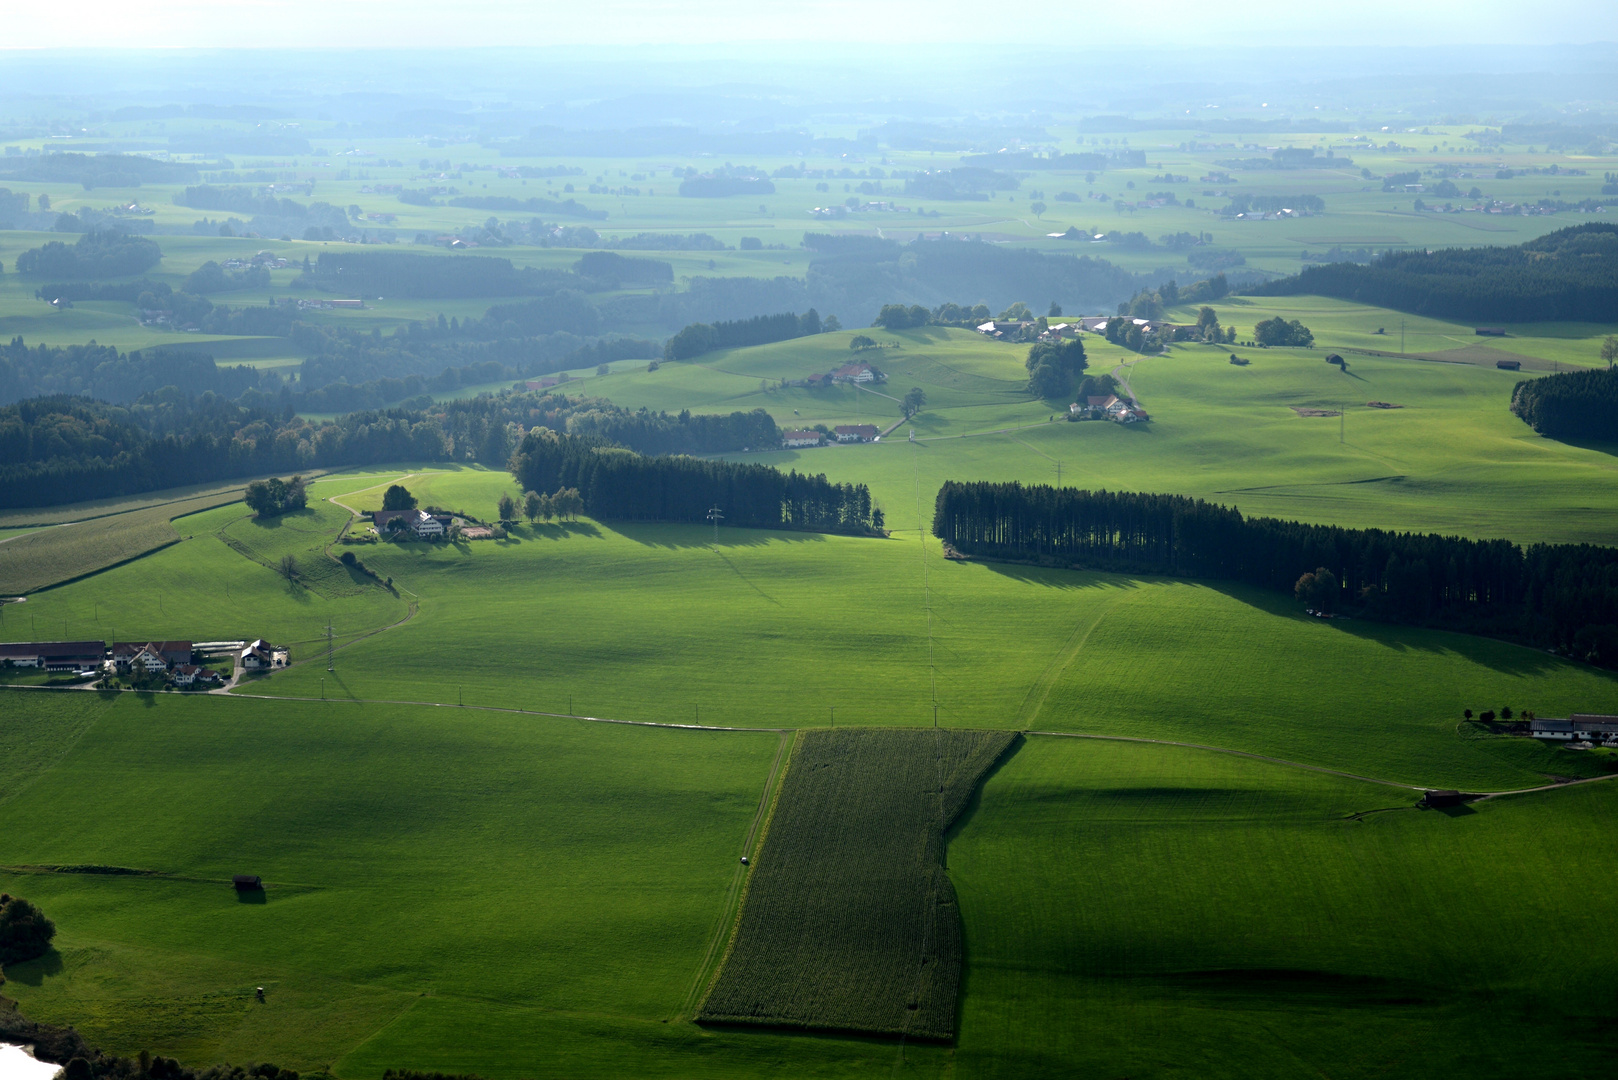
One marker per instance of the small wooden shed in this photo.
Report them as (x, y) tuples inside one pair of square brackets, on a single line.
[(248, 883), (1441, 798)]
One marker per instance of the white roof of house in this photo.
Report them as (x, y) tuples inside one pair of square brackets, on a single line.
[(987, 328)]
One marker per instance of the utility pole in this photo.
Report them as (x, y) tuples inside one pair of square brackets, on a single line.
[(715, 515), (1058, 474), (328, 643), (570, 704), (935, 714), (834, 716)]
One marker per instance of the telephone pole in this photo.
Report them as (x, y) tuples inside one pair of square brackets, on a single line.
[(328, 643)]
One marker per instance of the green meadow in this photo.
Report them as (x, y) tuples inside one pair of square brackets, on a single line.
[(468, 873), (1451, 458), (1142, 911)]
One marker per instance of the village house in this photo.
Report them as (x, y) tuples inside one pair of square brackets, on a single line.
[(855, 373), (800, 438), (54, 655), (169, 652), (422, 524), (191, 674), (260, 655), (845, 433), (1580, 727)]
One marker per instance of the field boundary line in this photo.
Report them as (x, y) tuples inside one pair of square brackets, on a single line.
[(730, 915), (103, 569), (1317, 768)]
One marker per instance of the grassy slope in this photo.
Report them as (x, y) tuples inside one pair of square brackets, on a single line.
[(647, 622), (203, 590), (558, 881), (1156, 913), (44, 556)]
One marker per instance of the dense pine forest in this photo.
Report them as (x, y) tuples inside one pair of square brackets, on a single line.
[(1570, 275), (1572, 405), (1564, 595), (621, 485)]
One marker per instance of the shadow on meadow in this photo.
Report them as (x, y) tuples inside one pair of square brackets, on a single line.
[(35, 972), (681, 537), (1503, 657)]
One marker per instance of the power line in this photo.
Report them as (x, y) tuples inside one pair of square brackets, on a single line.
[(715, 515)]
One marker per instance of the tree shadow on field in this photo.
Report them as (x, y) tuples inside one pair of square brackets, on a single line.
[(675, 537), (559, 530), (35, 972), (1066, 578)]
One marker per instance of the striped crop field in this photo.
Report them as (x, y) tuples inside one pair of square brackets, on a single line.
[(850, 921)]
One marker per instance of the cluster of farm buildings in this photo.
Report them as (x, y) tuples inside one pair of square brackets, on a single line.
[(843, 433), (180, 663), (424, 525), (1594, 729), (1107, 407)]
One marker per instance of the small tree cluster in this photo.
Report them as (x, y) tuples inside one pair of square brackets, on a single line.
[(566, 504), (398, 497), (269, 498), (1053, 366), (25, 932), (1278, 331), (1318, 590)]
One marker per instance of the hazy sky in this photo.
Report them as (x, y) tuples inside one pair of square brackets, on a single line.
[(430, 23)]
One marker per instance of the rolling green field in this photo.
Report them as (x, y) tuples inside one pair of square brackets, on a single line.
[(649, 622), (849, 922), (513, 890), (1142, 911)]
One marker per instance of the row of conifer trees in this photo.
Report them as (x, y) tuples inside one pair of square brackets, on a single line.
[(1552, 594), (622, 485)]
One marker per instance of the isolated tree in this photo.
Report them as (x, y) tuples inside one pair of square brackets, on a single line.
[(1505, 712), (861, 341), (830, 323), (1609, 349), (1208, 325), (25, 932), (1467, 713), (1037, 208), (507, 509), (1318, 590), (604, 369), (914, 399), (288, 567), (398, 498), (532, 504), (1056, 310), (1053, 366)]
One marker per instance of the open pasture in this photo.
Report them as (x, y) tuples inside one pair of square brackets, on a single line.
[(1155, 912), (547, 887), (1452, 459), (650, 622)]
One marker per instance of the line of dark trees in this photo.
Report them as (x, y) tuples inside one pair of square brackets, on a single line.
[(1571, 405), (63, 449), (1567, 275), (699, 338), (1560, 595), (647, 432), (622, 485)]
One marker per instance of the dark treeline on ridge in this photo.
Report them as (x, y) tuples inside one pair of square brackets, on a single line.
[(1571, 405), (1561, 595), (699, 338), (63, 449), (1567, 275), (623, 485)]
